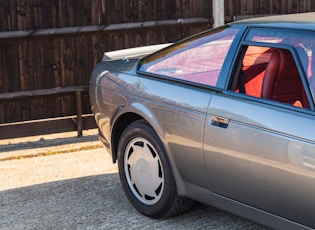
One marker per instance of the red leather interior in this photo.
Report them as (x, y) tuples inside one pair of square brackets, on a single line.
[(254, 65), (253, 79), (282, 81)]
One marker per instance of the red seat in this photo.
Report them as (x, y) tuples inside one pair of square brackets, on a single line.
[(282, 80)]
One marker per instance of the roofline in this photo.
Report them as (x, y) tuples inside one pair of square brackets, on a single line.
[(301, 18)]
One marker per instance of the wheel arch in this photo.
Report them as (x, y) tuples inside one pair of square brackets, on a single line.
[(127, 114), (121, 124)]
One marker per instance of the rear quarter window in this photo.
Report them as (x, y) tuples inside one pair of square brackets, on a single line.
[(198, 59)]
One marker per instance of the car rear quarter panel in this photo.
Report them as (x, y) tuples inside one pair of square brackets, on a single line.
[(175, 111)]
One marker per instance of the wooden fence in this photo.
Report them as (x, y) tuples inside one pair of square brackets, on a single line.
[(56, 43)]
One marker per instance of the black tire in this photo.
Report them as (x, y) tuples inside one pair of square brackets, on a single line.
[(146, 174)]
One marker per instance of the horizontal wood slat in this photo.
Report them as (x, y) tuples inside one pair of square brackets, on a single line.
[(22, 95), (76, 90), (46, 126), (103, 28)]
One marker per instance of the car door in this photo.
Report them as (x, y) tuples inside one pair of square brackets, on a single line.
[(260, 151)]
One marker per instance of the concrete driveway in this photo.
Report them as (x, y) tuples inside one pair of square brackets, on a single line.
[(80, 190)]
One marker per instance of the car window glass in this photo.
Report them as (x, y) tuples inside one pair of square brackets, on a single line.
[(302, 41), (198, 59), (272, 74)]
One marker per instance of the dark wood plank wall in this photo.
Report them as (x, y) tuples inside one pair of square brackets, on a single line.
[(37, 14), (34, 56)]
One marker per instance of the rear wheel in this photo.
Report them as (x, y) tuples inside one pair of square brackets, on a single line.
[(146, 174)]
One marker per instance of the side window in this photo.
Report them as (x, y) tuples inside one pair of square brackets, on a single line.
[(301, 41), (198, 59), (270, 73)]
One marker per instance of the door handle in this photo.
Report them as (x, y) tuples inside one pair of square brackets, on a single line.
[(220, 121)]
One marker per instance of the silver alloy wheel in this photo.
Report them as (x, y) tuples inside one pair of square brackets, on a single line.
[(144, 172)]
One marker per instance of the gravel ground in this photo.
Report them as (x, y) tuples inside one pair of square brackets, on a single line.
[(80, 190)]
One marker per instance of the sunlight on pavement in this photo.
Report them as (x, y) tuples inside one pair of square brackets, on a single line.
[(38, 170)]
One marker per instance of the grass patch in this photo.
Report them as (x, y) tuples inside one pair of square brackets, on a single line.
[(51, 153)]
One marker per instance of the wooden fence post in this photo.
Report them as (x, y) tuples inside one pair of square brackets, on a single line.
[(79, 112), (218, 12)]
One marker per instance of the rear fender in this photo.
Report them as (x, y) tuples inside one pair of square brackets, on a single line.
[(136, 111)]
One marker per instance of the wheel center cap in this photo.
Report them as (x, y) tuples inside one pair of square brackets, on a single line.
[(143, 170)]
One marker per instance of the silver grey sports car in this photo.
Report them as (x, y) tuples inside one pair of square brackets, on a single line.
[(226, 118)]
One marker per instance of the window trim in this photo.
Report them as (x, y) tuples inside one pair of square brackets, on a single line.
[(266, 102)]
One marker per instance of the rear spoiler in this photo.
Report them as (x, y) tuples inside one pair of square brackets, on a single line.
[(137, 52)]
